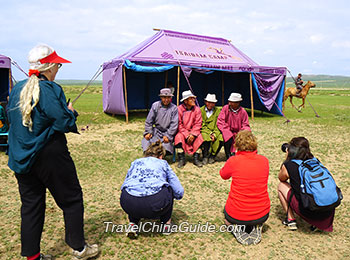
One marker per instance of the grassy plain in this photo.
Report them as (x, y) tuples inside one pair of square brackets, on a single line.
[(103, 154)]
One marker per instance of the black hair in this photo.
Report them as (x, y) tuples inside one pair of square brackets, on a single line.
[(299, 148)]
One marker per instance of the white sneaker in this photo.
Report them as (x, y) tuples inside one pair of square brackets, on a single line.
[(88, 252), (45, 257), (131, 232)]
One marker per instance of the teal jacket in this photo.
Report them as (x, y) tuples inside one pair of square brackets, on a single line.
[(50, 115)]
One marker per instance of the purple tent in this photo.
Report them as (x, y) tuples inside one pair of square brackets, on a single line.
[(5, 77), (209, 65)]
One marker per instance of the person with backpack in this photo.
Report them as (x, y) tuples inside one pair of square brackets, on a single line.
[(311, 191)]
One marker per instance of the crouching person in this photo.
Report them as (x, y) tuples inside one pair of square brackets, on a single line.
[(149, 189), (289, 193), (248, 204)]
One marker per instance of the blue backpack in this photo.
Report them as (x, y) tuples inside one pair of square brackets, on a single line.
[(318, 190)]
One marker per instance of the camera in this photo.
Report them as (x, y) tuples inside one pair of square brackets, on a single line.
[(284, 147)]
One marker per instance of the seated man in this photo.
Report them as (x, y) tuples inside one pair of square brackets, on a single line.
[(232, 119), (161, 123), (210, 132), (189, 138), (299, 84)]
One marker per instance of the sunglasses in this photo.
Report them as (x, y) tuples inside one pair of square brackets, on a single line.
[(59, 65)]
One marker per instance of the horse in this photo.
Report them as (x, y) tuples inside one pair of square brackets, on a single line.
[(292, 92)]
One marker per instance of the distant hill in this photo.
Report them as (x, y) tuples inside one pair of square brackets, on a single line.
[(77, 82), (324, 81)]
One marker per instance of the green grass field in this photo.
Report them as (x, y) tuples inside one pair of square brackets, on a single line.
[(103, 154)]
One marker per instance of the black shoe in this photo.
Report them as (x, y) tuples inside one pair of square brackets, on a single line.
[(182, 160), (212, 159), (196, 160), (205, 160), (291, 224)]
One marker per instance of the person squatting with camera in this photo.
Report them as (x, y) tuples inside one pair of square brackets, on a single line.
[(311, 192)]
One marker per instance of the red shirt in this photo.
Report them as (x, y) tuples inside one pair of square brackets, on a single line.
[(248, 198)]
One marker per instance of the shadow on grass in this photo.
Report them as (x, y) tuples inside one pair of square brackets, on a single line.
[(303, 226)]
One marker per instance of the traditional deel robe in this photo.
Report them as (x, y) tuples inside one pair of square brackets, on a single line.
[(230, 123), (209, 126), (190, 122), (161, 121)]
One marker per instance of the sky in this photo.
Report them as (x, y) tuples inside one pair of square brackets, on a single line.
[(311, 37)]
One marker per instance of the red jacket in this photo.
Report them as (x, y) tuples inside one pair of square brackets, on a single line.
[(248, 198)]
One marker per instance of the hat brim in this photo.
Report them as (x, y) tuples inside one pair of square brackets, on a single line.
[(163, 95), (187, 98), (214, 101), (235, 100), (53, 58)]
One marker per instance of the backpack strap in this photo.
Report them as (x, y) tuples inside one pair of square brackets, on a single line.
[(297, 161)]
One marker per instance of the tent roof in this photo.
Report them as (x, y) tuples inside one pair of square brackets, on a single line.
[(177, 48), (5, 62)]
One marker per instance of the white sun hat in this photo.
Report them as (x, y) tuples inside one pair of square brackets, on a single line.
[(187, 94), (211, 98), (235, 97)]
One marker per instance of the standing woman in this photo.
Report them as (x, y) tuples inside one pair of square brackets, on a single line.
[(38, 154)]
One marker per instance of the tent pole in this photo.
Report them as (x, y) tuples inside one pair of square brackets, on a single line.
[(284, 91), (166, 79), (251, 96), (222, 89), (10, 81), (125, 97), (178, 85)]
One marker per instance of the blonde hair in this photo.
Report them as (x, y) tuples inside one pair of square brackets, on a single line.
[(246, 141), (30, 93), (155, 150)]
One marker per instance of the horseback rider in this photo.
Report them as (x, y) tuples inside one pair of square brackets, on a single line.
[(299, 84)]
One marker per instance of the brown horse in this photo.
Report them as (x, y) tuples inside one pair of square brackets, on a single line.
[(292, 92)]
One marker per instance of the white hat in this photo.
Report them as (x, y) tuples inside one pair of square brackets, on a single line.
[(211, 98), (235, 97), (187, 94)]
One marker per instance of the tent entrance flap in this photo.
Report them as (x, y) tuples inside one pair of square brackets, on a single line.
[(4, 84)]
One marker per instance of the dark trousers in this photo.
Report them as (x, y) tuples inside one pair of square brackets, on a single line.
[(157, 206), (206, 148), (249, 224), (227, 146), (53, 169)]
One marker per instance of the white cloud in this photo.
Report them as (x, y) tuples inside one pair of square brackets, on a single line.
[(316, 38), (341, 44), (271, 32), (269, 52)]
